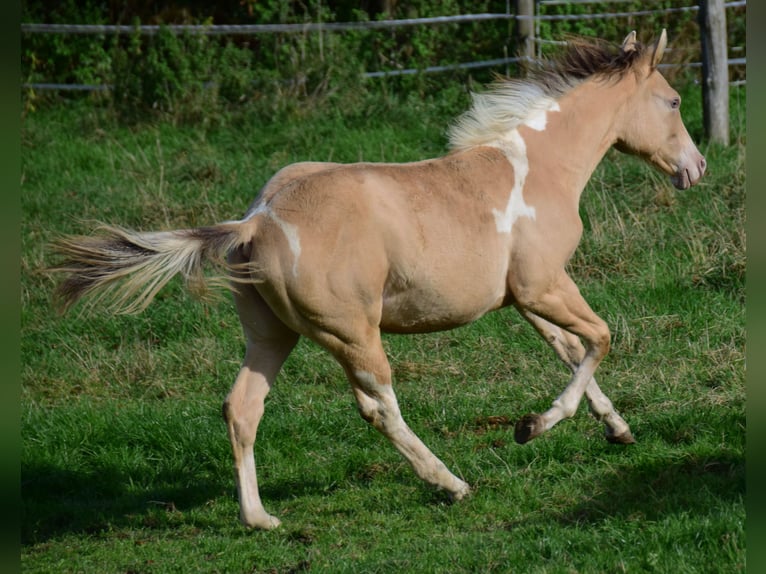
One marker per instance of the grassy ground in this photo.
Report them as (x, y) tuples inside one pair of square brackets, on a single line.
[(126, 465)]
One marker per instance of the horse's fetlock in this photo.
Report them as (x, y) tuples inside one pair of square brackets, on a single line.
[(567, 410), (551, 339), (371, 415)]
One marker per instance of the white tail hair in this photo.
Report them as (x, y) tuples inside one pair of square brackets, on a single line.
[(125, 269)]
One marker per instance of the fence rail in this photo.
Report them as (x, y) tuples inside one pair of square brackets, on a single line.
[(254, 29), (248, 29), (605, 15)]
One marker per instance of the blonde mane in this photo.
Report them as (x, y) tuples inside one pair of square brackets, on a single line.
[(499, 110), (509, 102)]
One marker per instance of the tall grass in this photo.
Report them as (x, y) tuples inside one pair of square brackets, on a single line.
[(126, 464)]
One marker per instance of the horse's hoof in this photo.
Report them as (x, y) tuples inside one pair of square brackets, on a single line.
[(464, 491), (262, 522), (622, 438), (527, 428)]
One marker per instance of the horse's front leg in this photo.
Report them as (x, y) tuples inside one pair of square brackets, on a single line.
[(563, 306), (570, 350)]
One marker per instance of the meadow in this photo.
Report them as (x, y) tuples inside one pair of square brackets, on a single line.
[(125, 463)]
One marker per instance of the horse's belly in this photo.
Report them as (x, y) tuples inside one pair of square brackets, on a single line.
[(419, 310)]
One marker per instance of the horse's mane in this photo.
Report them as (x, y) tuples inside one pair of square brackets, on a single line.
[(509, 101)]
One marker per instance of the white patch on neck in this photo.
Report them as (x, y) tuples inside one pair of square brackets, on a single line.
[(515, 149), (538, 119)]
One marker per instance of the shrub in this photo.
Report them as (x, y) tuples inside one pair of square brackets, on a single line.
[(193, 77)]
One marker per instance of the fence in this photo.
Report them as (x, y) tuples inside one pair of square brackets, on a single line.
[(527, 18)]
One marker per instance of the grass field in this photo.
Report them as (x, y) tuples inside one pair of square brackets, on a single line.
[(125, 461)]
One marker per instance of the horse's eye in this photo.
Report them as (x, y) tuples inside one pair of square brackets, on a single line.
[(675, 103)]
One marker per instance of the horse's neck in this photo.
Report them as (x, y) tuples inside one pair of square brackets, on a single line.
[(576, 136)]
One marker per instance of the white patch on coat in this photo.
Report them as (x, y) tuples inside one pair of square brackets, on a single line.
[(289, 229), (515, 150), (293, 239), (538, 119)]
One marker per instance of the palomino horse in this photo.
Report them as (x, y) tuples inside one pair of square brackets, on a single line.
[(340, 253)]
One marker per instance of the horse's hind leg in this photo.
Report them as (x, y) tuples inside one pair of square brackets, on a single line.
[(369, 373), (269, 342), (570, 350)]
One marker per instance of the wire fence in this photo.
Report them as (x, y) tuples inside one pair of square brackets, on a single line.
[(255, 29), (249, 29)]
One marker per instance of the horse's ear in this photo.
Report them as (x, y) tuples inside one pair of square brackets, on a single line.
[(629, 43), (659, 48)]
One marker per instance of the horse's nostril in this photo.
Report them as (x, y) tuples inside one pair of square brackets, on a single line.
[(703, 164)]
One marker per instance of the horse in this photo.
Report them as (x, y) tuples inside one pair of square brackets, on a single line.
[(341, 253)]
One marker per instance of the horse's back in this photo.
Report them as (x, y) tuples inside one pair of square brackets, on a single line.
[(461, 187)]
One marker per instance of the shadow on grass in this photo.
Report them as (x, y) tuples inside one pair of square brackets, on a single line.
[(656, 489), (677, 472), (57, 501)]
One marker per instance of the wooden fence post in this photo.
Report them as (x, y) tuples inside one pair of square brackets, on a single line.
[(525, 29), (715, 70)]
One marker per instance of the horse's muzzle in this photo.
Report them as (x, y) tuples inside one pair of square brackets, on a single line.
[(690, 173)]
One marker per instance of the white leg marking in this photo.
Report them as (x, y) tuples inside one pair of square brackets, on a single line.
[(378, 402)]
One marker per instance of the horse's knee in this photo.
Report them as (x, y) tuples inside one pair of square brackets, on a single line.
[(242, 419), (232, 419), (601, 342), (382, 413), (572, 347)]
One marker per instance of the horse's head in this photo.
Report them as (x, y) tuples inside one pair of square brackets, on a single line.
[(652, 126)]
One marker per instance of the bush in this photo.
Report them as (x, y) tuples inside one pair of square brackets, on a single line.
[(195, 77), (189, 77), (169, 74)]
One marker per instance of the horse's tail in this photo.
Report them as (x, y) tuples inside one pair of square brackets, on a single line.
[(125, 269)]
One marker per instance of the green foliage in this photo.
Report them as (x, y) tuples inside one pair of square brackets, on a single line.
[(202, 78), (195, 78), (166, 73), (64, 58)]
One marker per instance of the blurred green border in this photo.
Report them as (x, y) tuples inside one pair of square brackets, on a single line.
[(756, 300), (10, 303), (10, 217)]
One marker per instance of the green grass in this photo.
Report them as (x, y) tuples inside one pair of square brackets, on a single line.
[(125, 461)]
